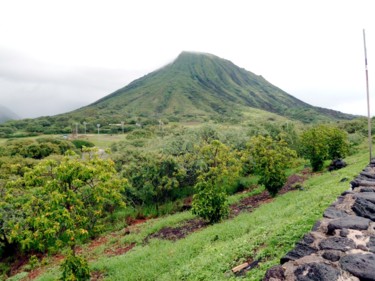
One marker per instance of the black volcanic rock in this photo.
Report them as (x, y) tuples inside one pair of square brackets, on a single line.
[(316, 272), (350, 222), (364, 208), (360, 265)]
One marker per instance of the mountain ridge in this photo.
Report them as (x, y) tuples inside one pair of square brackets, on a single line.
[(195, 87), (206, 84)]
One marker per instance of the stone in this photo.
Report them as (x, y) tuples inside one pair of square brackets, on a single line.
[(332, 255), (367, 189), (308, 239), (360, 265), (275, 273), (337, 243), (369, 196), (351, 222), (371, 244), (368, 174), (344, 232), (336, 165), (316, 226), (364, 208), (316, 272), (333, 213), (299, 251), (346, 192)]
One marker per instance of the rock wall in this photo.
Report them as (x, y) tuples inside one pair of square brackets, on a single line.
[(341, 246)]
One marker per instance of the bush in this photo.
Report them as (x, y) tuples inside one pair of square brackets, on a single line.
[(270, 159), (323, 142), (219, 168), (82, 143), (75, 268)]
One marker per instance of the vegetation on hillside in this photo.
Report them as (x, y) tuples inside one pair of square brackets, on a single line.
[(195, 87), (160, 168), (188, 136)]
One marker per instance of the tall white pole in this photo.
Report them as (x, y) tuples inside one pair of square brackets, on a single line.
[(368, 98)]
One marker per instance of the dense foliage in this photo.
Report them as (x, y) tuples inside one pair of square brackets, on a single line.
[(58, 202), (323, 142), (50, 201), (270, 159), (219, 167)]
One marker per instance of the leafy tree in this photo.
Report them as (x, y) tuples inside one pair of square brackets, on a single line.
[(270, 159), (152, 178), (219, 167), (37, 149), (323, 142), (75, 268), (80, 144), (14, 196), (68, 200)]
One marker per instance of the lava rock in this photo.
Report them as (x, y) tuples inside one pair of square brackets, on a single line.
[(276, 272), (332, 255), (371, 244), (350, 222), (360, 265), (344, 232), (316, 226), (315, 272), (336, 165), (367, 189), (369, 196), (299, 251), (333, 213), (337, 243), (364, 208)]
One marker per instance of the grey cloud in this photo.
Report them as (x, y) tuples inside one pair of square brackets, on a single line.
[(31, 88)]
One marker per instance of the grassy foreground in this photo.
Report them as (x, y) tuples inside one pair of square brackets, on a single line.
[(266, 234)]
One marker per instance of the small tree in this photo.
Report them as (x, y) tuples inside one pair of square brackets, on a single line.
[(270, 159), (153, 178), (69, 199), (323, 142), (219, 167)]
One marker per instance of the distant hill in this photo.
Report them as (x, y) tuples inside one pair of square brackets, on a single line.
[(194, 87), (6, 114), (200, 85)]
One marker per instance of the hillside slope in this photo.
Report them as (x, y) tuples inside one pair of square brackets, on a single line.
[(195, 87), (199, 85)]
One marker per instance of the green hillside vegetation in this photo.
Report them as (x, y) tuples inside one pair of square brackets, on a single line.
[(195, 87), (199, 134), (161, 168), (211, 253)]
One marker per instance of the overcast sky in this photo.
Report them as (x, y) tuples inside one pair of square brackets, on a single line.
[(56, 56)]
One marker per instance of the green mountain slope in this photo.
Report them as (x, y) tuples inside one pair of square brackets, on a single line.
[(194, 87), (199, 85)]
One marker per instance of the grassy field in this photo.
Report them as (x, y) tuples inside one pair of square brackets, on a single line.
[(266, 235)]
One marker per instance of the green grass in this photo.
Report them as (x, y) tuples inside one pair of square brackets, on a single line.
[(265, 234), (104, 140)]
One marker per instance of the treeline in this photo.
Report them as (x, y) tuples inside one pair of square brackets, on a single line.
[(57, 193)]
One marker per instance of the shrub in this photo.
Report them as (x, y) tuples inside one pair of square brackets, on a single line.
[(323, 142), (75, 268), (219, 168), (82, 143), (270, 159)]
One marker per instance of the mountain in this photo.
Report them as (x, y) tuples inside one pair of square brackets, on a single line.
[(194, 87), (200, 85), (6, 114)]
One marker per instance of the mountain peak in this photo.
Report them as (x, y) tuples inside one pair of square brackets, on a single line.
[(202, 86)]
